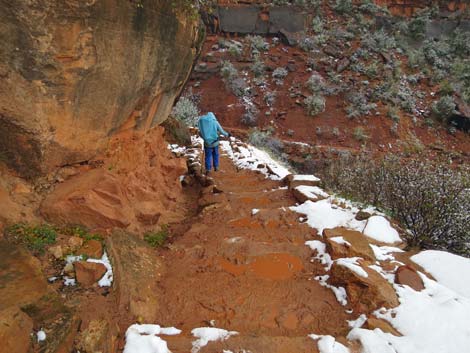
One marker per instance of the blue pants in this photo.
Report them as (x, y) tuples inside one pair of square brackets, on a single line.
[(211, 155)]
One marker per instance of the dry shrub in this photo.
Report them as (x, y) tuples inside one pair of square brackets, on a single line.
[(430, 199)]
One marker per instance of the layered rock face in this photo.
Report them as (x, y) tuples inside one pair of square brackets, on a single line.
[(134, 186), (74, 72)]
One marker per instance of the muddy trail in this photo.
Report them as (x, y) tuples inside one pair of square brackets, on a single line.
[(243, 266)]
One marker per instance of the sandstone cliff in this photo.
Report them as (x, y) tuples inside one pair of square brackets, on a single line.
[(74, 72)]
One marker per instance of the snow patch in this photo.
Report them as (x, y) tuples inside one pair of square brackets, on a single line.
[(352, 264), (313, 192), (144, 338), (305, 177), (324, 214), (450, 270), (340, 240), (382, 253), (379, 228), (358, 322), (339, 292), (69, 281), (322, 255), (206, 334), (41, 336), (328, 344), (434, 320), (252, 158)]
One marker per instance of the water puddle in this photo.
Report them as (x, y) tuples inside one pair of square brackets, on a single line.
[(278, 266)]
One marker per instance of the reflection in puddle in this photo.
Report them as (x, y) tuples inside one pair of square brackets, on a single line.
[(277, 266)]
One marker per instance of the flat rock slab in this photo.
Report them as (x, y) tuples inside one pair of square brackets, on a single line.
[(354, 244), (406, 275), (88, 273), (365, 294), (21, 279), (137, 271)]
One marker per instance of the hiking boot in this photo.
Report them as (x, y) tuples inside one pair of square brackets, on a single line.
[(216, 169), (208, 172)]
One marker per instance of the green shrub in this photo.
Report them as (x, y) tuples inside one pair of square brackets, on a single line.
[(258, 68), (360, 134), (359, 105), (82, 232), (392, 113), (307, 43), (35, 237), (315, 83), (315, 104), (317, 24), (177, 132), (265, 141), (186, 111), (157, 239), (258, 44), (227, 70), (343, 7), (444, 107), (461, 73)]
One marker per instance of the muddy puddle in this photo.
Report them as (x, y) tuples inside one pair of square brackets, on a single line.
[(277, 266)]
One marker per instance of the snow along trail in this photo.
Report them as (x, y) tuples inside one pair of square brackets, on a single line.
[(435, 320)]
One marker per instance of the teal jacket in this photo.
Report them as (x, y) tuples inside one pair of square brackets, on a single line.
[(209, 129)]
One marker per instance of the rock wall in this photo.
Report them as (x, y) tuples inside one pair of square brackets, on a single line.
[(75, 72), (409, 7), (135, 186)]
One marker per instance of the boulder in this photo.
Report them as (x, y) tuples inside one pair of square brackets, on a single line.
[(88, 273), (56, 251), (313, 193), (94, 338), (15, 331), (293, 180), (141, 183), (363, 215), (406, 275), (22, 281), (92, 248), (365, 294), (355, 244), (73, 74), (135, 263)]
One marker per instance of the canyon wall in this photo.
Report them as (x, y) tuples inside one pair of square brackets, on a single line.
[(73, 73)]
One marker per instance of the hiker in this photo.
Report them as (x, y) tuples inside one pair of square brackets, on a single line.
[(209, 129)]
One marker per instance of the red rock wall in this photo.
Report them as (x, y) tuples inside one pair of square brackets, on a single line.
[(136, 187), (74, 72)]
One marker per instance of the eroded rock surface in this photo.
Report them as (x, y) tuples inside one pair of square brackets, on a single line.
[(73, 73)]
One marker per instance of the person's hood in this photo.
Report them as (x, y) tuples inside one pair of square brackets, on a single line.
[(211, 116)]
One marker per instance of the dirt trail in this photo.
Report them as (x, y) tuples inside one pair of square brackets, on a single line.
[(247, 272)]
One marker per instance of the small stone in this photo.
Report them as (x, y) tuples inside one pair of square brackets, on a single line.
[(56, 251), (406, 275), (92, 248), (363, 215), (88, 273), (75, 243), (68, 269), (358, 244)]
